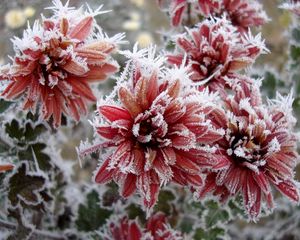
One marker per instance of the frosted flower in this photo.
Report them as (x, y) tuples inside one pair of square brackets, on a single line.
[(54, 63), (157, 228), (292, 5), (242, 13), (257, 151), (179, 9), (154, 132), (214, 50), (15, 18)]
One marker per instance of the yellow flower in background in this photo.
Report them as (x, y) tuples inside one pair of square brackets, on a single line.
[(135, 16), (15, 18), (144, 39), (29, 12), (138, 3), (131, 25)]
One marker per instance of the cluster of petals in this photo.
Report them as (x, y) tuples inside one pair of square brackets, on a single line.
[(215, 50), (157, 132), (292, 5), (55, 62), (258, 150), (156, 228), (241, 13)]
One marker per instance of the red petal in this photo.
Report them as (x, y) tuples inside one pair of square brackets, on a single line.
[(129, 102), (129, 185), (289, 189), (82, 29), (113, 113), (103, 175)]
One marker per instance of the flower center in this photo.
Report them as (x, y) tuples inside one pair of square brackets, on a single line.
[(150, 128)]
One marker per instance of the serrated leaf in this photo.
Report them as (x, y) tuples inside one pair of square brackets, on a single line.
[(43, 160), (212, 234), (90, 215), (28, 189), (215, 214), (164, 202), (13, 130), (4, 105)]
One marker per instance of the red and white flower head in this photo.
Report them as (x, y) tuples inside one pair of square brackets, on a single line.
[(55, 62), (122, 229), (214, 50), (179, 9), (292, 5), (241, 13), (157, 228), (244, 13), (257, 151), (154, 132)]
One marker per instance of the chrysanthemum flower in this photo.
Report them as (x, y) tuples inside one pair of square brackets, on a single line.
[(292, 5), (257, 151), (214, 50), (154, 131), (241, 13), (157, 228), (55, 62), (179, 9), (244, 13)]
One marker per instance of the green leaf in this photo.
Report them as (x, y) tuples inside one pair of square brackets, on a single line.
[(269, 84), (212, 234), (14, 130), (4, 105), (90, 215), (215, 214), (164, 202), (44, 161), (296, 34), (295, 53), (28, 189)]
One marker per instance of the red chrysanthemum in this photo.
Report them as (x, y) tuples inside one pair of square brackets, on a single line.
[(241, 13), (257, 151), (244, 13), (157, 228), (215, 50), (178, 9), (55, 63), (155, 131)]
